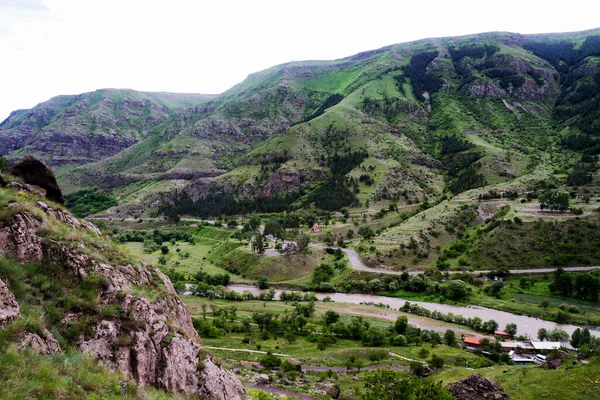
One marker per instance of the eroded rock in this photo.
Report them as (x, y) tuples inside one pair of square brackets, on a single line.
[(9, 308), (43, 343), (150, 341), (476, 387)]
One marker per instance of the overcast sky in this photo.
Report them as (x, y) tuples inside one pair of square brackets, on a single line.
[(52, 47)]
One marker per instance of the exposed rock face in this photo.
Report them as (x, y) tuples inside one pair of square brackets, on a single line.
[(44, 343), (9, 308), (476, 387), (155, 344), (286, 180), (35, 172)]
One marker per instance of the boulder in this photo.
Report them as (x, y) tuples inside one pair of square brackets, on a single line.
[(34, 172), (328, 389), (262, 379), (295, 363), (476, 387), (9, 308)]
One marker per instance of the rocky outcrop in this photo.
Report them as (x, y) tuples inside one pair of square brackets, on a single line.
[(284, 180), (9, 308), (35, 172), (484, 88), (43, 342), (476, 387), (150, 341)]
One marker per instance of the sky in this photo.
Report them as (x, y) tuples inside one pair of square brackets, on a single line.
[(54, 47)]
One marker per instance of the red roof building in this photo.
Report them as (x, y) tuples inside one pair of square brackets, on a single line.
[(316, 228), (502, 334), (472, 341)]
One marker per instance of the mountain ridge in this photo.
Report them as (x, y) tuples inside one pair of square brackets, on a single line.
[(493, 91)]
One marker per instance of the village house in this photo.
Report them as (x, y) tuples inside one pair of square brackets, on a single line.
[(316, 228), (472, 342), (502, 335)]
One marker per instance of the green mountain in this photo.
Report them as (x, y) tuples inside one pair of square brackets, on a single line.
[(432, 116), (91, 126)]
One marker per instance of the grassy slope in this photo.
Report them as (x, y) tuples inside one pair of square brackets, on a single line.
[(520, 382), (26, 375)]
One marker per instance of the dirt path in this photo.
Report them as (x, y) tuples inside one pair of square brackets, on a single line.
[(279, 391), (244, 350)]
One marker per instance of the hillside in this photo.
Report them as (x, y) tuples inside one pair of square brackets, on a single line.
[(442, 123), (79, 129), (434, 115), (69, 293)]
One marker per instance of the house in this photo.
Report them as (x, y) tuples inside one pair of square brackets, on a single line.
[(316, 228), (502, 335), (526, 347), (472, 342), (509, 346), (539, 346)]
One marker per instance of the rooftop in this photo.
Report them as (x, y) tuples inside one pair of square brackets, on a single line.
[(546, 345), (472, 340)]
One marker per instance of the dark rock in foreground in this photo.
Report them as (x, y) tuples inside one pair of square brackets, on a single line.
[(35, 172), (476, 387)]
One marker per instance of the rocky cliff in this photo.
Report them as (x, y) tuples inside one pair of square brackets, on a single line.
[(99, 301)]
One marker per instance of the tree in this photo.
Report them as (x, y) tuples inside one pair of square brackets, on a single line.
[(545, 304), (373, 337), (270, 361), (303, 242), (162, 260), (262, 282), (232, 312), (417, 368), (554, 200), (450, 337), (330, 317), (562, 283), (263, 319), (576, 339), (3, 164), (164, 249), (204, 306), (258, 245), (490, 326), (542, 334), (310, 219), (436, 362), (401, 324), (366, 232), (456, 289), (254, 223), (274, 227), (398, 340), (511, 329), (558, 335)]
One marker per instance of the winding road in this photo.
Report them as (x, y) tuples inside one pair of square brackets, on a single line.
[(356, 263)]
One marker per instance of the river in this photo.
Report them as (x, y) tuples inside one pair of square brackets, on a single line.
[(527, 326)]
